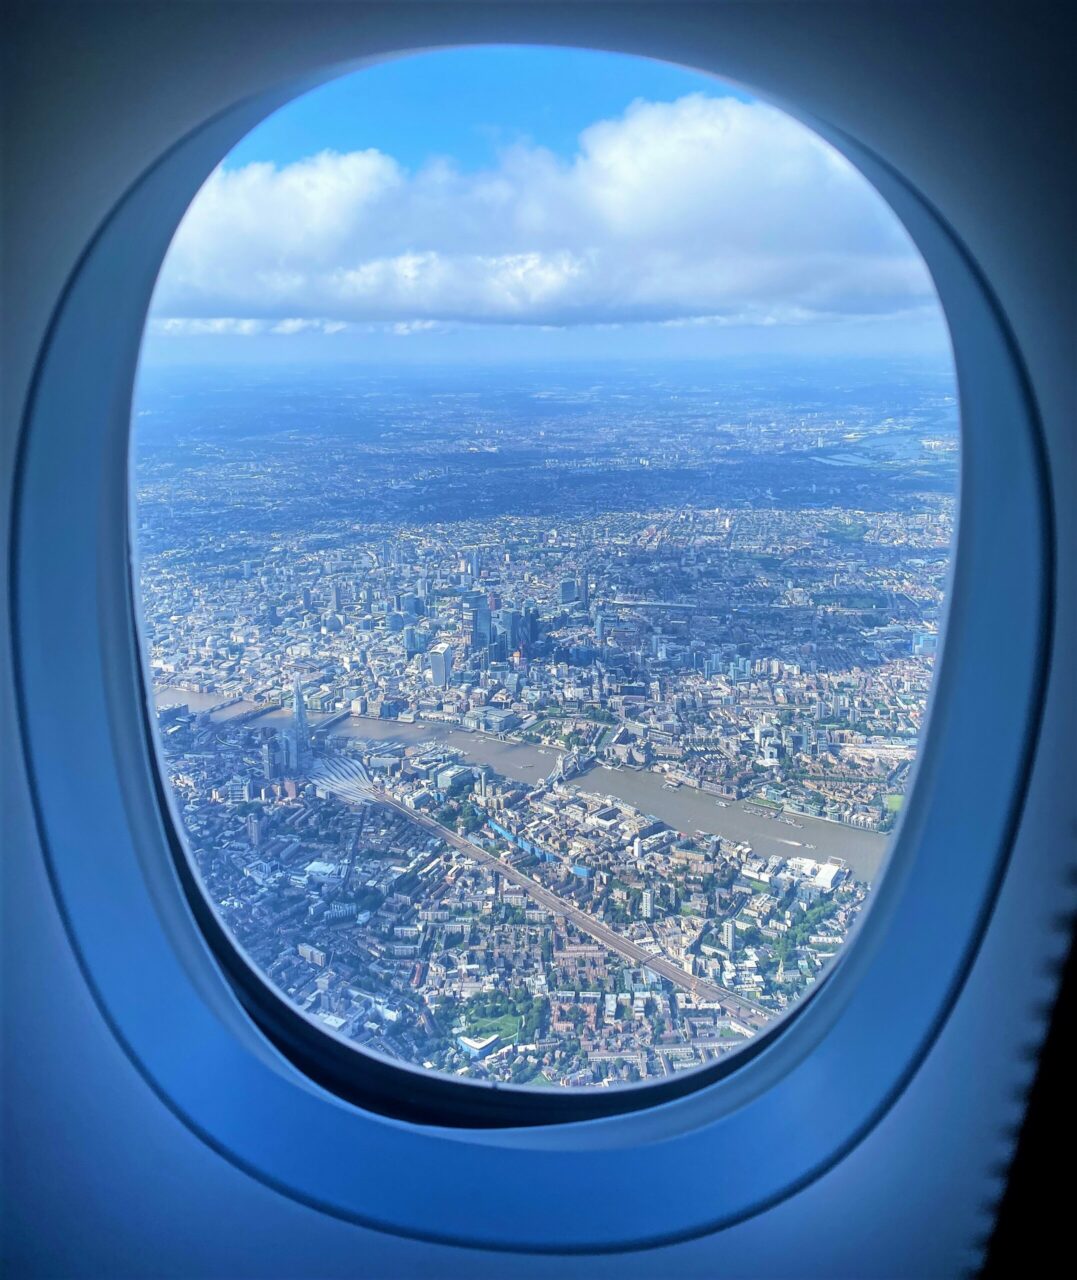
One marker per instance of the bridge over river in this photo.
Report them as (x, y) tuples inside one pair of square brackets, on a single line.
[(684, 808)]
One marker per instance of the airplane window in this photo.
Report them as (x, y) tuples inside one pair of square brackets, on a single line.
[(544, 473)]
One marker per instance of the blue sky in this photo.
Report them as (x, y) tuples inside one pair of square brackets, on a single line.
[(518, 203), (467, 103)]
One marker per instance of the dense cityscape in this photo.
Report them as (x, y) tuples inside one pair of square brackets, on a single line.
[(544, 729)]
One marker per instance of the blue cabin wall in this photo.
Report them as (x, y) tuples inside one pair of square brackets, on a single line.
[(101, 1178)]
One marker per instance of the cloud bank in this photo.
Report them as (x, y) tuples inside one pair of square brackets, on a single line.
[(700, 210)]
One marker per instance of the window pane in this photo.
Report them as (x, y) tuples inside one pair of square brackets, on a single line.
[(544, 507)]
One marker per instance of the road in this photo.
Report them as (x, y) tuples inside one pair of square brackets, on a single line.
[(746, 1010)]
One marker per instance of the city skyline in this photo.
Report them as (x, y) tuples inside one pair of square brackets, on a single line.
[(609, 687)]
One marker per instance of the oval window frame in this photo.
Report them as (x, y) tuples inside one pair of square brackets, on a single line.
[(91, 760)]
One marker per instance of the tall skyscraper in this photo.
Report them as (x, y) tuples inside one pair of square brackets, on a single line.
[(481, 628), (532, 623), (302, 727), (441, 665), (512, 622)]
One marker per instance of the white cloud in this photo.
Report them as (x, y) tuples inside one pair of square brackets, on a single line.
[(187, 326), (199, 326), (298, 324), (704, 208), (404, 328)]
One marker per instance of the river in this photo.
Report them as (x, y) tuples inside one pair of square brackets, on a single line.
[(171, 697), (684, 809)]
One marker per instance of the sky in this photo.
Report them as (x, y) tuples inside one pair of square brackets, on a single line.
[(499, 204)]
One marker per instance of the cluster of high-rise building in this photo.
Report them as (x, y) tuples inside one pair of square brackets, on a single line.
[(572, 796)]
